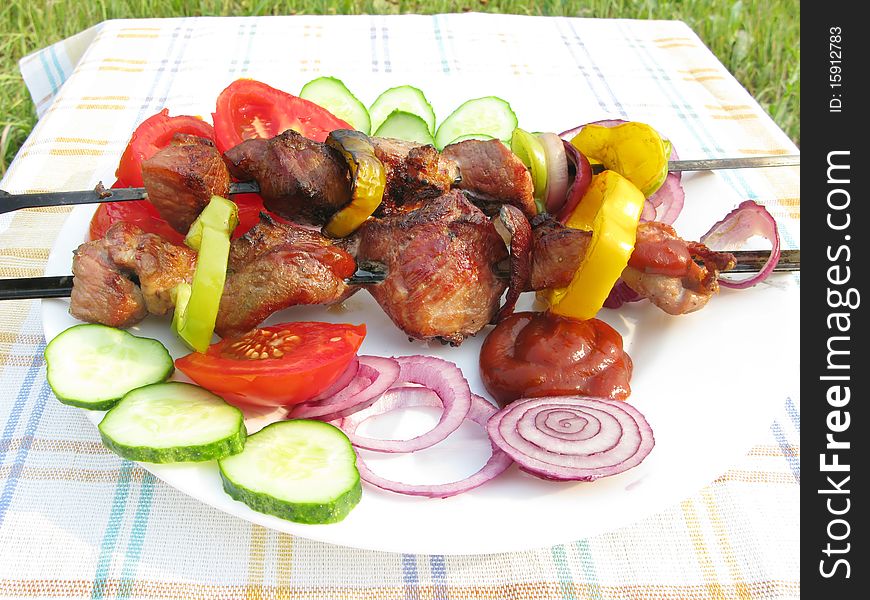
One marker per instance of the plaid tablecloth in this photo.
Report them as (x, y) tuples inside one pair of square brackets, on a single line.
[(76, 521)]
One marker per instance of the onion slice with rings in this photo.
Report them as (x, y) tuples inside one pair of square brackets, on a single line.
[(580, 183), (557, 171), (374, 376), (748, 220), (442, 377), (572, 438), (342, 382), (479, 412)]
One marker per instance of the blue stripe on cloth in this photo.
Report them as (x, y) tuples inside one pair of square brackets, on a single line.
[(793, 414), (137, 535), (445, 65), (373, 32), (47, 68), (410, 577), (617, 105), (562, 571), (251, 34), (113, 528), (29, 429), (581, 66), (61, 73), (438, 569), (589, 572), (792, 460), (385, 43)]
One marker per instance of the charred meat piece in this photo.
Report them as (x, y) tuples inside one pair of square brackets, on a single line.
[(278, 265), (159, 265), (101, 292), (663, 268), (299, 178), (492, 174), (440, 283), (182, 177), (556, 252), (414, 173)]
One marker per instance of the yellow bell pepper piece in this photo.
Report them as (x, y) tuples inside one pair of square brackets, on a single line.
[(369, 181), (610, 209), (634, 150)]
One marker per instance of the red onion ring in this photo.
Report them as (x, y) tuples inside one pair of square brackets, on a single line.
[(479, 412), (442, 377), (620, 294), (747, 220), (342, 382), (374, 376), (580, 183), (557, 171), (518, 232), (572, 438)]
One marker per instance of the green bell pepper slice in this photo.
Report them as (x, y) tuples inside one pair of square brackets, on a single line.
[(196, 305)]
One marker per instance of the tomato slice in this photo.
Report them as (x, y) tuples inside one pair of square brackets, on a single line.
[(155, 133), (279, 365), (249, 109)]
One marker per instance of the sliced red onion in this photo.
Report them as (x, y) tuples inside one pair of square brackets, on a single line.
[(649, 211), (620, 294), (342, 382), (374, 377), (572, 438), (580, 183), (512, 224), (557, 171), (479, 412), (442, 377), (668, 200), (749, 219)]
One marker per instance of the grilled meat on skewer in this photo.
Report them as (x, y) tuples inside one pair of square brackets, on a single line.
[(182, 177), (101, 292), (440, 283), (299, 178), (415, 173), (492, 174), (278, 265)]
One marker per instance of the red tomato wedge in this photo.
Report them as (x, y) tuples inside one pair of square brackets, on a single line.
[(249, 109), (279, 365), (155, 133)]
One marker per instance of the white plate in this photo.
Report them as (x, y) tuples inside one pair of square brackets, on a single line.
[(708, 383)]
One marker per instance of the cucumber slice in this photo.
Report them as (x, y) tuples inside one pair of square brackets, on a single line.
[(331, 94), (299, 470), (92, 366), (490, 115), (406, 98), (405, 126), (471, 136), (173, 422)]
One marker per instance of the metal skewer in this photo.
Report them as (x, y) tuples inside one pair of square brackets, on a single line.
[(60, 286), (12, 202)]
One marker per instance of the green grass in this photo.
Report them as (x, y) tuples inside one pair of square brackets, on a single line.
[(757, 40)]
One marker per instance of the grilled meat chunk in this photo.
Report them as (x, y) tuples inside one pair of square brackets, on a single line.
[(159, 265), (101, 292), (414, 173), (492, 174), (663, 268), (299, 178), (278, 265), (182, 177), (556, 252), (440, 282)]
